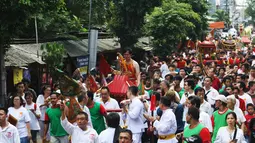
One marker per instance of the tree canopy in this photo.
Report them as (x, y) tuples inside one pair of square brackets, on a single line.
[(126, 19), (250, 10), (201, 8), (17, 19), (169, 24)]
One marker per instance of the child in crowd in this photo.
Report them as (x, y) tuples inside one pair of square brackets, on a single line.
[(251, 114)]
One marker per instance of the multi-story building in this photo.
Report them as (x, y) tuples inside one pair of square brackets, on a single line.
[(235, 9)]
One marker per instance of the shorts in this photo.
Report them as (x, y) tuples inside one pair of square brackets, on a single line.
[(34, 134)]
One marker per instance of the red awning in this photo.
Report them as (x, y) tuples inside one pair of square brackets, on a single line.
[(119, 85), (207, 44), (217, 25), (246, 40)]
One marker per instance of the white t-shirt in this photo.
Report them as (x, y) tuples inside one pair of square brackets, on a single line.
[(206, 107), (9, 134), (164, 70), (86, 110), (78, 135), (205, 119), (34, 124), (107, 135), (110, 104), (185, 109), (247, 98), (223, 136), (240, 116), (22, 116), (39, 102), (211, 94)]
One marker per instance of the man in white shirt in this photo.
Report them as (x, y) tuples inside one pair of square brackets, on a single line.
[(189, 85), (210, 92), (164, 70), (246, 97), (80, 133), (8, 132), (204, 118), (167, 125), (111, 134), (204, 105), (83, 100), (106, 100), (134, 114)]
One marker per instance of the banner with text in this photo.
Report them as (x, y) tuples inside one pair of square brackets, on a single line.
[(83, 63)]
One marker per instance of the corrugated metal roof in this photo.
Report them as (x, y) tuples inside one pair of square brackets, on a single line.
[(76, 48), (23, 54)]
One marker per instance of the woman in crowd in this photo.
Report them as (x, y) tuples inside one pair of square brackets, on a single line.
[(43, 103), (230, 133), (20, 118)]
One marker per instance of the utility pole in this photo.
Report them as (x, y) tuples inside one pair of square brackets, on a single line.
[(2, 76), (227, 10)]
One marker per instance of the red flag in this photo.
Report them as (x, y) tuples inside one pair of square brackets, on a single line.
[(104, 67), (93, 85), (153, 103)]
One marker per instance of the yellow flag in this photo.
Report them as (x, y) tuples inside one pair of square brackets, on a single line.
[(17, 75)]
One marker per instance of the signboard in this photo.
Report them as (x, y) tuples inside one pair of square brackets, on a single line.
[(17, 75), (83, 63)]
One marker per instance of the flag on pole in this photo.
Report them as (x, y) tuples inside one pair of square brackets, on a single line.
[(104, 67), (153, 103), (93, 85)]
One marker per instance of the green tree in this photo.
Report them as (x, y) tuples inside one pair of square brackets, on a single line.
[(14, 17), (80, 8), (51, 23), (221, 15), (127, 17), (201, 7), (169, 24), (53, 55), (250, 10)]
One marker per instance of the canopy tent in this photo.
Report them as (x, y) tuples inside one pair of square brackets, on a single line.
[(218, 25)]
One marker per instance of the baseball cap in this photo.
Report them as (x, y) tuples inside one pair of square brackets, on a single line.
[(221, 98)]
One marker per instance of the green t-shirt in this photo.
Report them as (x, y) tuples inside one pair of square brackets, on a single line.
[(96, 118), (190, 132), (181, 93), (219, 120), (56, 128)]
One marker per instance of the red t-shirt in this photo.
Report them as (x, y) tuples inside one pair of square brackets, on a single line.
[(242, 104), (181, 64), (216, 83), (247, 122)]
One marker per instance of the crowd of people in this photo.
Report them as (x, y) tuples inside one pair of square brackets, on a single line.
[(176, 99)]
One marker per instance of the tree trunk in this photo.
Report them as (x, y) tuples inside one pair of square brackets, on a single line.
[(2, 77)]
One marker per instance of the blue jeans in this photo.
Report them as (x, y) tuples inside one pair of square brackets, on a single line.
[(24, 140)]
